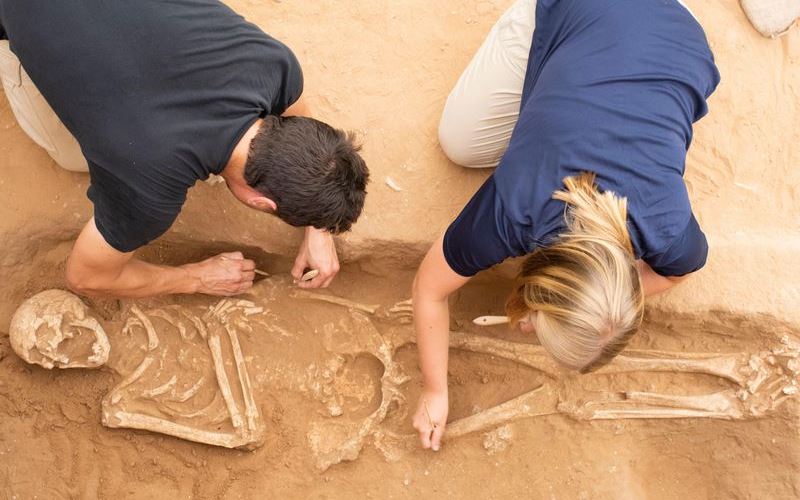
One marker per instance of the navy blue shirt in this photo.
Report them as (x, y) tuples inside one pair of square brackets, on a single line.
[(157, 93), (612, 87)]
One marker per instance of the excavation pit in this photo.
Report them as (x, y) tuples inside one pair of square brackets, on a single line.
[(333, 379)]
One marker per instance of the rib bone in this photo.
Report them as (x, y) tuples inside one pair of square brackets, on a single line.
[(247, 430)]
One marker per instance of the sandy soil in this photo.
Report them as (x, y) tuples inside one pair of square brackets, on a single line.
[(384, 69)]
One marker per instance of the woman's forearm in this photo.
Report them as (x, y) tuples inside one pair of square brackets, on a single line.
[(433, 285), (432, 324)]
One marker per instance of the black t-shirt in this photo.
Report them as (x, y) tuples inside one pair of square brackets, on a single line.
[(157, 92)]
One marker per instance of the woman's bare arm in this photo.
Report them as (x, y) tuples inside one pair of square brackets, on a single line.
[(653, 283), (434, 283)]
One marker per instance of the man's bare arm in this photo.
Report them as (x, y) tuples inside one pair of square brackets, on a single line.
[(95, 268)]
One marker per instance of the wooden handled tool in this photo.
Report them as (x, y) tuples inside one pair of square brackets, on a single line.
[(490, 320)]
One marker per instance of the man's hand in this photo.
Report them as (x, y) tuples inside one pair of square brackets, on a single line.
[(430, 418), (318, 251), (225, 274)]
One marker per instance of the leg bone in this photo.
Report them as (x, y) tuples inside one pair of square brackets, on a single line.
[(536, 403), (633, 404), (222, 380), (155, 424), (251, 410)]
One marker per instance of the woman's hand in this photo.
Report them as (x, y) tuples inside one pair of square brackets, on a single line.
[(430, 418)]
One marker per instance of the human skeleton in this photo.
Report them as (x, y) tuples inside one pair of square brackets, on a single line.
[(193, 382)]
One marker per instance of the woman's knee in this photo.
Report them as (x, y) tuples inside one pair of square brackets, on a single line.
[(467, 136), (468, 143), (455, 140)]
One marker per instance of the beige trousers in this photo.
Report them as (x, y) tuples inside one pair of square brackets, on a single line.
[(35, 116), (482, 109)]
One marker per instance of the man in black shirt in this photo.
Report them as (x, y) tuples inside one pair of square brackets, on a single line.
[(159, 94)]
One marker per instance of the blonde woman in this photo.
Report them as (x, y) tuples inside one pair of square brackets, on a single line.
[(588, 119)]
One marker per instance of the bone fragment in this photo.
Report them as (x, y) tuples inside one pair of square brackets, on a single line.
[(727, 366), (160, 313), (393, 185), (202, 412), (332, 299), (310, 275), (402, 308), (538, 402)]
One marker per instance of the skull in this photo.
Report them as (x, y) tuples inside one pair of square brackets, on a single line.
[(53, 329)]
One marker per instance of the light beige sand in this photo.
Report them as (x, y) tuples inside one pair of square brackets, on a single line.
[(384, 68)]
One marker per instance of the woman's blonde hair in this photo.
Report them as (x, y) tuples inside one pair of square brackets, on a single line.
[(584, 288)]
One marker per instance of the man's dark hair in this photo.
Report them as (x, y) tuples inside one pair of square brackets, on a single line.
[(312, 172)]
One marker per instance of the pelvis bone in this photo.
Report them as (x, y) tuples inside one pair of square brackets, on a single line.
[(760, 384)]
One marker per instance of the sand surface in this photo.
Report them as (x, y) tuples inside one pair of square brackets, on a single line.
[(384, 69)]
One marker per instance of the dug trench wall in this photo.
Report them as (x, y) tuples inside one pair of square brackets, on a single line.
[(386, 78)]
